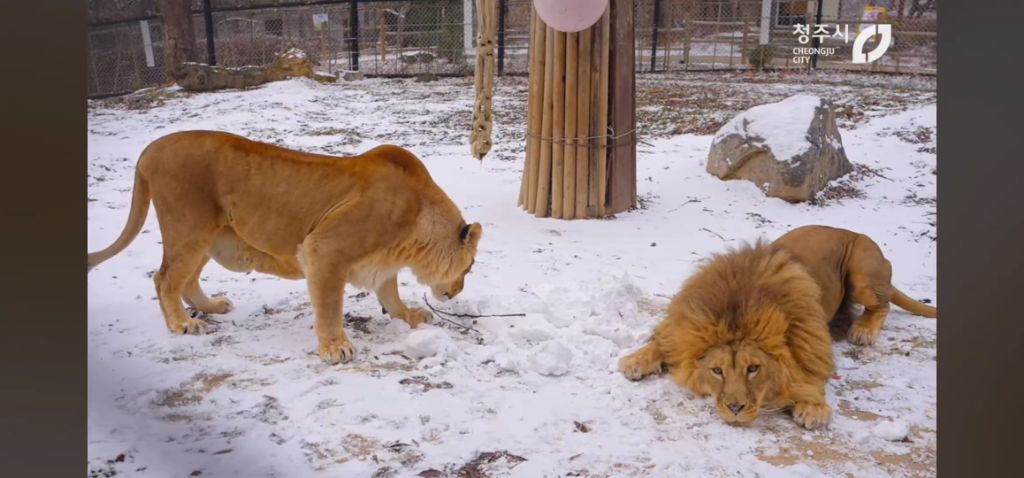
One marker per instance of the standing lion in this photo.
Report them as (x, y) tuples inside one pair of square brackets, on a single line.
[(751, 327), (254, 206)]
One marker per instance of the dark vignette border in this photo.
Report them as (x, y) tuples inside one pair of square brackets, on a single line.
[(981, 234), (42, 219)]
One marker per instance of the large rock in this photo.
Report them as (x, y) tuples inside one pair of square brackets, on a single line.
[(790, 149)]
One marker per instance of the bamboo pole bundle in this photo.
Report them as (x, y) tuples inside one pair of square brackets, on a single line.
[(570, 155)]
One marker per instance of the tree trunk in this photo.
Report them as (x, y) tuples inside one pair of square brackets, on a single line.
[(179, 35)]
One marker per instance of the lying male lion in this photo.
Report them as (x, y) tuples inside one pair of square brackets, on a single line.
[(254, 206), (751, 327)]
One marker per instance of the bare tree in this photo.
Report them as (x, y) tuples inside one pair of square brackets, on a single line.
[(179, 35)]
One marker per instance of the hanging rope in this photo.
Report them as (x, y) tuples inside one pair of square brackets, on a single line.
[(483, 121)]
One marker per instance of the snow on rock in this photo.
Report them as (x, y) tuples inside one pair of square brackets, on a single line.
[(780, 126), (551, 358)]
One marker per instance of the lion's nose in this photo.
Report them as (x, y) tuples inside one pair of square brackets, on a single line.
[(736, 407)]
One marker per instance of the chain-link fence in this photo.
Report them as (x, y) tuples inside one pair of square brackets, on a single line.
[(404, 38), (727, 34)]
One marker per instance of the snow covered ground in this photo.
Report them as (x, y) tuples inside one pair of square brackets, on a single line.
[(533, 395)]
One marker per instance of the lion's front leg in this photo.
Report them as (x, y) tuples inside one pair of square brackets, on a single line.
[(809, 406), (387, 295), (326, 282)]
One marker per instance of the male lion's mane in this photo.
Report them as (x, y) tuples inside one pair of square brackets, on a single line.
[(754, 293)]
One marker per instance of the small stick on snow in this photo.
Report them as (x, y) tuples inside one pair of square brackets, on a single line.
[(467, 316), (713, 232)]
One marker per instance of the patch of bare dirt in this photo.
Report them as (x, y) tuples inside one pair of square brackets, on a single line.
[(846, 187), (191, 392), (484, 465)]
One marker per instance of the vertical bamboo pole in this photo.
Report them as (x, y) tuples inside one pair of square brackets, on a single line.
[(569, 157), (598, 189), (527, 190), (595, 123), (558, 127), (620, 182), (583, 122), (535, 108), (544, 178), (524, 184)]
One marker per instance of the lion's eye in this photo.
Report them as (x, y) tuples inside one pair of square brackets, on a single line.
[(716, 371), (753, 368)]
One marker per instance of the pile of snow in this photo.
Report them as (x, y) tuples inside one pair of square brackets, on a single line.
[(552, 359), (427, 341)]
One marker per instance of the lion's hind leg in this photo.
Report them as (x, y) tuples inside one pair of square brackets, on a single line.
[(188, 225), (869, 282), (646, 361), (195, 297), (179, 265)]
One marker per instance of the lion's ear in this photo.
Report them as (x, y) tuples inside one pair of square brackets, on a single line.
[(471, 233)]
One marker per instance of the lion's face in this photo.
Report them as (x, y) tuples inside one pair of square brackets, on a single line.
[(449, 285), (741, 376)]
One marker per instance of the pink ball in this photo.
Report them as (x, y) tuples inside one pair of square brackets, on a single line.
[(570, 15)]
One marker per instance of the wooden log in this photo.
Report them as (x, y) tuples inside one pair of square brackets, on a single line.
[(558, 126), (621, 168), (544, 177), (535, 108), (569, 156), (583, 122)]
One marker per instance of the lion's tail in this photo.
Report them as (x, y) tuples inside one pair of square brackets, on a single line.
[(911, 305), (136, 219)]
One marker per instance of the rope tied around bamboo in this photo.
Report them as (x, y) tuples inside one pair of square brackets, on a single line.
[(613, 139)]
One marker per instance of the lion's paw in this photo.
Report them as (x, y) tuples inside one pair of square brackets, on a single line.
[(417, 316), (337, 351), (191, 327), (220, 305), (634, 367), (860, 334), (812, 415)]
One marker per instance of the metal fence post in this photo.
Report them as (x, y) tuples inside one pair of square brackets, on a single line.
[(654, 34), (817, 41), (353, 21), (211, 54), (502, 10)]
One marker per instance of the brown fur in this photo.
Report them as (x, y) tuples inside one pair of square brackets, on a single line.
[(751, 327), (254, 206)]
